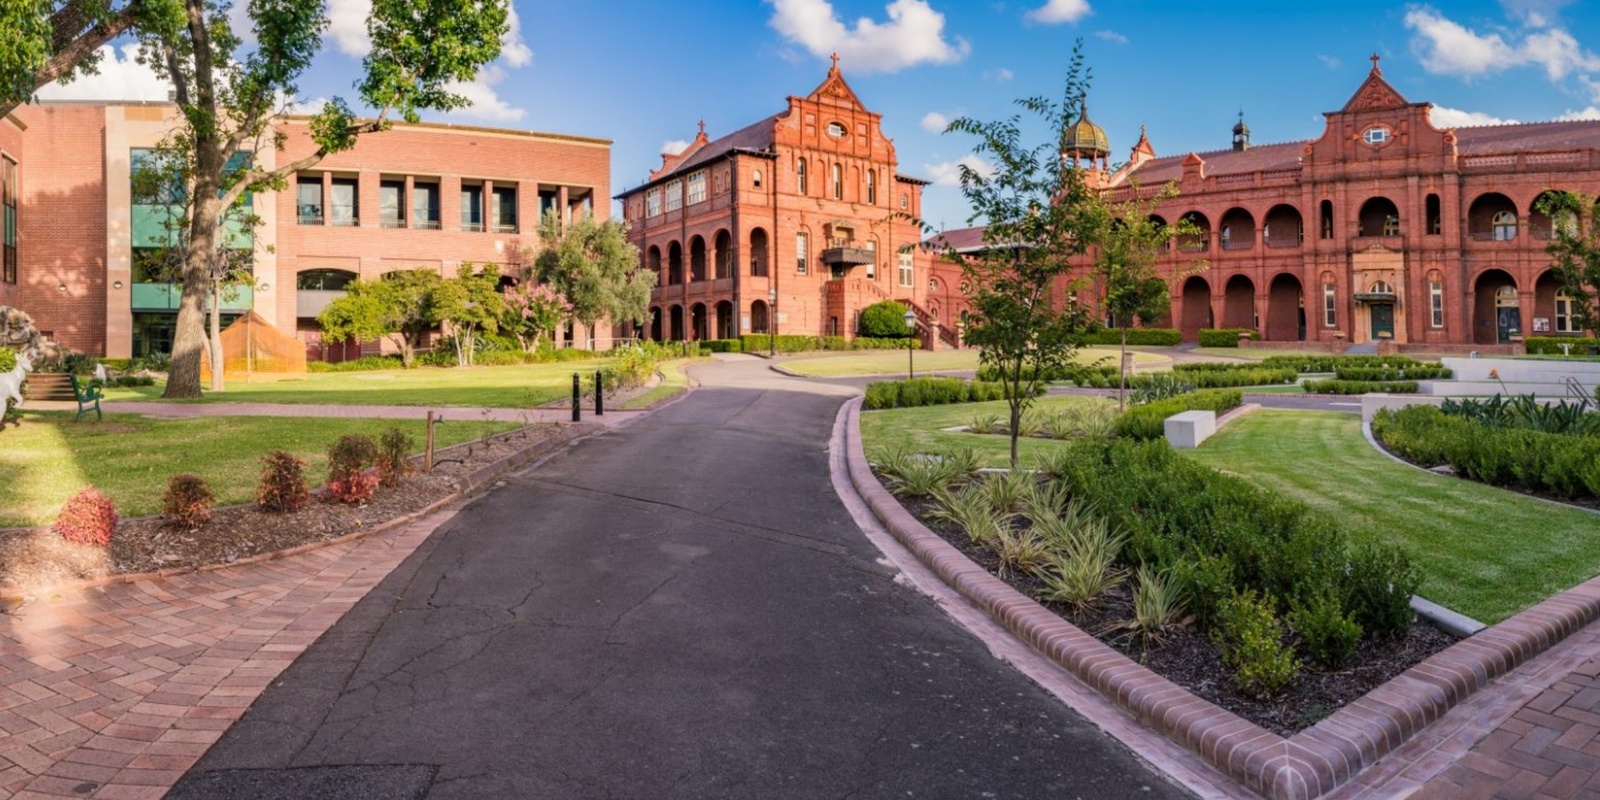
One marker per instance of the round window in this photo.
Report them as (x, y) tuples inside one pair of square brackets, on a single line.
[(836, 130), (1375, 136)]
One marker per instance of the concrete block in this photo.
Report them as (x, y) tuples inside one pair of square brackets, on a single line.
[(1188, 429)]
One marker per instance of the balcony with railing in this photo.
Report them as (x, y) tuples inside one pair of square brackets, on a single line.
[(846, 252)]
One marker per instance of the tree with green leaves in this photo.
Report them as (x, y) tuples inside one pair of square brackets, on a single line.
[(44, 41), (403, 306), (592, 264), (1039, 216), (885, 319), (1128, 248), (1575, 250), (229, 96), (470, 304)]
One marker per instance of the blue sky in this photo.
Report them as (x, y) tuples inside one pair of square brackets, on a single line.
[(643, 73)]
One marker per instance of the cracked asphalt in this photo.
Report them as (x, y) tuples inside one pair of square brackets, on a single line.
[(679, 608)]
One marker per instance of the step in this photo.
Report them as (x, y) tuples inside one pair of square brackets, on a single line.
[(1513, 370)]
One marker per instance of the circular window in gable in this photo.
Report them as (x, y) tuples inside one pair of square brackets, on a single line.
[(1377, 136), (836, 130)]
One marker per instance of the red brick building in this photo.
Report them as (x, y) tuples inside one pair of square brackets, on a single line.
[(426, 195), (805, 209), (1385, 227)]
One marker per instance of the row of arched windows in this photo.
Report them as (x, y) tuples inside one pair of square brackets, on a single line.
[(717, 263), (1492, 216), (836, 182)]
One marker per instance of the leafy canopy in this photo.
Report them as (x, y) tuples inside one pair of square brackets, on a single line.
[(592, 264), (1575, 253)]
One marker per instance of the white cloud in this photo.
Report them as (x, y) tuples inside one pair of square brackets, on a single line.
[(934, 122), (483, 102), (513, 50), (913, 35), (1444, 117), (121, 77), (1537, 13), (948, 173), (1055, 12), (1111, 36), (1000, 75), (672, 147), (1446, 47), (1590, 113), (347, 26), (1331, 62), (310, 107)]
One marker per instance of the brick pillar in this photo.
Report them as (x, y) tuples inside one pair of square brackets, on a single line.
[(409, 202)]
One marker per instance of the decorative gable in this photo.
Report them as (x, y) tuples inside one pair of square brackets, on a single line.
[(833, 90), (1375, 93)]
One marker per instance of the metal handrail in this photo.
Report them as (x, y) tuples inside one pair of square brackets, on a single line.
[(1576, 389)]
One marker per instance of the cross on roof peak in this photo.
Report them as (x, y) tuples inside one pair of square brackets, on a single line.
[(835, 58)]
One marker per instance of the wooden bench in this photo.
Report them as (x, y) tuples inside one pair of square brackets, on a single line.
[(88, 394)]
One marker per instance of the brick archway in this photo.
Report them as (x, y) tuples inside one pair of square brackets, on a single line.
[(1239, 303), (1194, 310), (1286, 313)]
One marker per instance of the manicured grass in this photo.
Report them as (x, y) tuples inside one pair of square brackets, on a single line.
[(674, 381), (1292, 388), (1252, 354), (893, 362), (922, 428), (518, 386), (1487, 552), (130, 457)]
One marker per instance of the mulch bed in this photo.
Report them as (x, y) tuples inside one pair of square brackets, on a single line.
[(1190, 660), (40, 558)]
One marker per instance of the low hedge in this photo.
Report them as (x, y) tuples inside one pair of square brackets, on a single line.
[(1360, 387), (1220, 536), (1145, 422), (1144, 337), (1567, 466), (1330, 363), (723, 346), (930, 392), (761, 343), (1415, 372), (1224, 337), (363, 364), (1551, 345)]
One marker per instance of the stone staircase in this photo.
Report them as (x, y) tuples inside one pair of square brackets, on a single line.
[(1553, 380)]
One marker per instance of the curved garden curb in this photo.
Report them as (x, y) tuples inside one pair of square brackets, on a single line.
[(1306, 765), (465, 484)]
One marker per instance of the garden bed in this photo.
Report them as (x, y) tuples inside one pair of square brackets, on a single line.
[(37, 557), (1192, 661)]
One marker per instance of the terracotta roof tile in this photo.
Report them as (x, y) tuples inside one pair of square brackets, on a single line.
[(1223, 162), (1493, 139), (755, 136)]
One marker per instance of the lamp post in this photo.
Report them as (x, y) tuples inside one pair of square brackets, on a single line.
[(911, 349), (772, 323)]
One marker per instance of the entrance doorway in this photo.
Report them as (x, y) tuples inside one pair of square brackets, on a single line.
[(1382, 321), (1507, 316)]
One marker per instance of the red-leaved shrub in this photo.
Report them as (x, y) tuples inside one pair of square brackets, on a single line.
[(283, 483), (88, 517), (348, 460), (188, 502)]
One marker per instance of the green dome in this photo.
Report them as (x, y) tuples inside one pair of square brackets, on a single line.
[(1085, 137)]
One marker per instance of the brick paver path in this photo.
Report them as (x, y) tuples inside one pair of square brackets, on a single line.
[(115, 691)]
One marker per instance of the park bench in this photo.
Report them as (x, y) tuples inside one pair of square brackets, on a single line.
[(87, 392)]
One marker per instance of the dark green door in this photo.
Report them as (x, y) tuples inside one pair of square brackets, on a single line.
[(1382, 320), (1508, 321)]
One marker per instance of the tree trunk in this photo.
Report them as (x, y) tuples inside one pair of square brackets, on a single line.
[(214, 337), (183, 378)]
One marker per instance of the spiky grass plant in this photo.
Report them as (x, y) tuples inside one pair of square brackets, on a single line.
[(890, 460), (1084, 568), (1024, 550), (970, 511), (1044, 500), (1157, 604), (1006, 490), (922, 476), (964, 462), (986, 424)]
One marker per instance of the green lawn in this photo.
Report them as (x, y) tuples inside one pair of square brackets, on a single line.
[(893, 362), (519, 386), (1487, 552), (674, 381), (130, 457), (923, 428)]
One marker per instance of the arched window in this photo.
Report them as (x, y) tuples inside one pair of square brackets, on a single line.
[(872, 187), (872, 265), (905, 201), (1505, 297), (1381, 287), (1565, 322), (1504, 226), (1330, 312), (800, 242), (838, 181), (755, 179), (800, 175), (1436, 298)]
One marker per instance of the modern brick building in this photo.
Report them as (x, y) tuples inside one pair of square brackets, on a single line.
[(801, 218), (1384, 228), (425, 195)]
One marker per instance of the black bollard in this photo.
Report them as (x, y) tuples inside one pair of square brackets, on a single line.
[(599, 393), (577, 399)]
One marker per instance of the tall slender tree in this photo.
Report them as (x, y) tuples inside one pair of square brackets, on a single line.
[(1039, 215)]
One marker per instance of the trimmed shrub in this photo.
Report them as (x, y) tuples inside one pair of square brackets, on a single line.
[(930, 392), (1329, 363), (1328, 634), (363, 364), (188, 501), (1252, 643), (131, 380), (88, 517), (1224, 337), (1414, 372), (348, 460), (723, 346), (884, 320), (1379, 586), (394, 451), (1360, 387), (1566, 465), (283, 483), (1145, 422), (1143, 337), (1551, 345)]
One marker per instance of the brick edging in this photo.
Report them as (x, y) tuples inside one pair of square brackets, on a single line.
[(465, 485), (1306, 765)]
